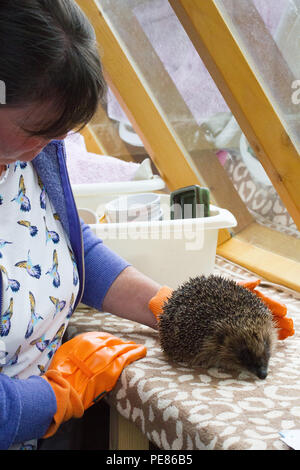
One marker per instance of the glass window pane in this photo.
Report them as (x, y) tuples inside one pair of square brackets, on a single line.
[(268, 32), (174, 74)]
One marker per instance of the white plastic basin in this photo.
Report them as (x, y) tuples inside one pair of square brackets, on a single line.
[(168, 251), (89, 196)]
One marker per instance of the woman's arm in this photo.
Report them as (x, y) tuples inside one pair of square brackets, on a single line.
[(113, 285), (129, 295), (26, 409)]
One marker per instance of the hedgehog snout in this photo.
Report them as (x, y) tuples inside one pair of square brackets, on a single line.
[(262, 372), (254, 364)]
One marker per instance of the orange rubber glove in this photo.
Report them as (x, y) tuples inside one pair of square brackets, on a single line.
[(285, 325), (84, 369), (157, 302)]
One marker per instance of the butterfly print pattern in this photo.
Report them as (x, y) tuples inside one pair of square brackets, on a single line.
[(21, 197), (53, 271), (34, 316), (5, 319), (71, 306), (59, 305), (12, 284), (33, 230), (42, 194), (52, 345), (39, 275), (3, 243), (75, 271), (32, 270), (51, 235)]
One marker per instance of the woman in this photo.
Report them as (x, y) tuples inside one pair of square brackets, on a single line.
[(49, 260)]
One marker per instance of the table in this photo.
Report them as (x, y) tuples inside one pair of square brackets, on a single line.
[(180, 408)]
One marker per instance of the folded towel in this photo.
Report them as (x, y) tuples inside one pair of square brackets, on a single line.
[(87, 167)]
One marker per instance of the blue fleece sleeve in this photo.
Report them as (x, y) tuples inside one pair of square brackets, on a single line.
[(26, 409), (102, 266)]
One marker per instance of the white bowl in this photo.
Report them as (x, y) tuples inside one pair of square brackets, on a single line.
[(144, 206)]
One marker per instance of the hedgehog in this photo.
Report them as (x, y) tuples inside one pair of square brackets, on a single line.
[(212, 321)]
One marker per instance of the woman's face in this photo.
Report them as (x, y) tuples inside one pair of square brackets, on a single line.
[(16, 144)]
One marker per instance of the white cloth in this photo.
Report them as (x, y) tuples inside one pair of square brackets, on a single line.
[(39, 274)]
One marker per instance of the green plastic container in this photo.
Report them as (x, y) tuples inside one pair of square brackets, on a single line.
[(190, 202)]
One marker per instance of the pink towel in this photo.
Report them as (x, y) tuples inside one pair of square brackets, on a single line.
[(86, 167)]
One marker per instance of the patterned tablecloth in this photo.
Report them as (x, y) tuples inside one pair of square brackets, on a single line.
[(181, 408)]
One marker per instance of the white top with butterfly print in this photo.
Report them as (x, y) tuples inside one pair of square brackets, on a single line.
[(39, 274)]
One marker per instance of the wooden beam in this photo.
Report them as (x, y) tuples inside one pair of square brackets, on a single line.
[(269, 265), (271, 240), (124, 435), (91, 143), (266, 252), (245, 95), (102, 133)]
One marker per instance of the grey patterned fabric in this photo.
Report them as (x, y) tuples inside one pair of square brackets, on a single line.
[(181, 408), (261, 200)]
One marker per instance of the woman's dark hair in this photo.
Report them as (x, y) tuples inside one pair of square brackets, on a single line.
[(48, 53)]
